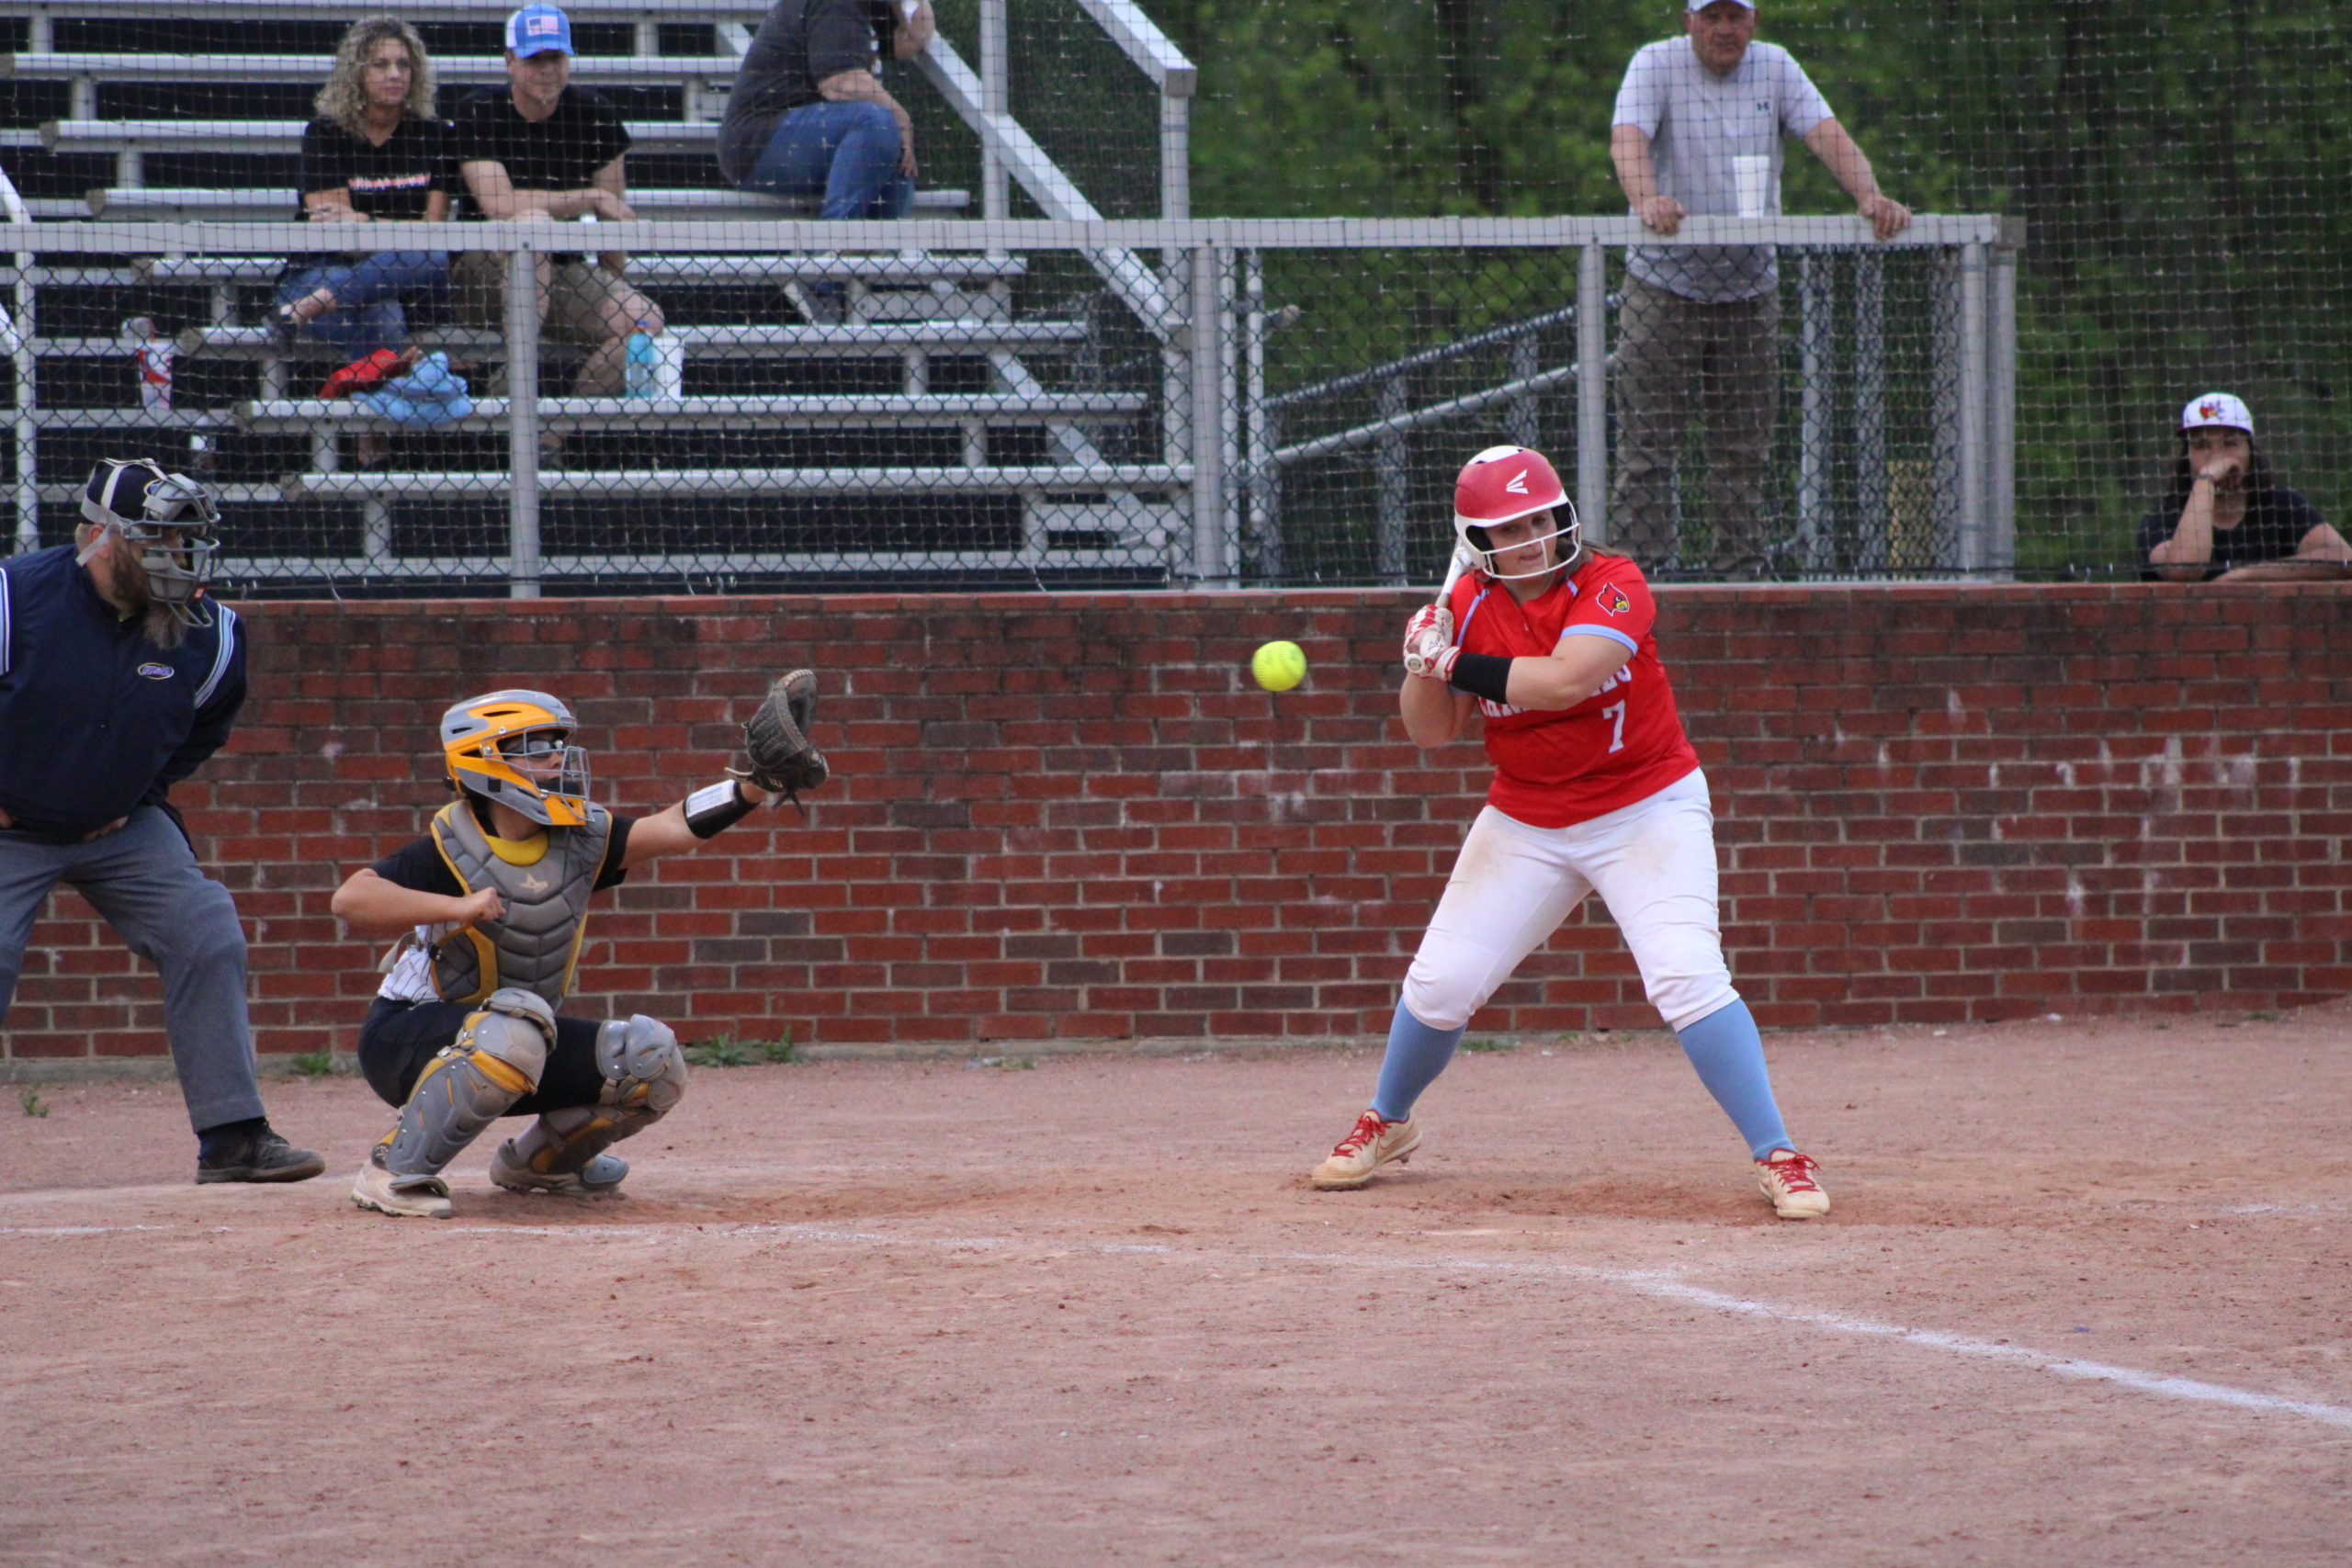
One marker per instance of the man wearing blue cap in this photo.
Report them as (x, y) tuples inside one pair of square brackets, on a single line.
[(541, 148), (1697, 131)]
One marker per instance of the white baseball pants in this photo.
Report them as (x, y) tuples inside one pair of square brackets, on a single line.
[(1653, 865)]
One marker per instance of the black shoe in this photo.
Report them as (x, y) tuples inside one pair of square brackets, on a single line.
[(259, 1156)]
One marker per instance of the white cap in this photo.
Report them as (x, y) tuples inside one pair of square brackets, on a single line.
[(2217, 408), (1703, 4)]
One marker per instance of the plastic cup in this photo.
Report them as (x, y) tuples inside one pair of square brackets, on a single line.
[(1752, 180)]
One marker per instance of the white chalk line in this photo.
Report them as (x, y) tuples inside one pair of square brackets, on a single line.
[(84, 1230), (2158, 1384), (1660, 1284)]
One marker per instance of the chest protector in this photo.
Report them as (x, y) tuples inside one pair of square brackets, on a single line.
[(536, 944)]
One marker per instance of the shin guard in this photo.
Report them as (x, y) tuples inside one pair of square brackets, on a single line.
[(645, 1075), (496, 1060)]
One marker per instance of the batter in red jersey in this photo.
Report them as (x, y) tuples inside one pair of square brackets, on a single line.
[(1596, 789)]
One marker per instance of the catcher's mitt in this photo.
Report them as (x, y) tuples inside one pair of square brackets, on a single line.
[(776, 738)]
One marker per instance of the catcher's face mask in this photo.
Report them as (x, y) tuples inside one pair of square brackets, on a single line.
[(168, 519), (514, 748)]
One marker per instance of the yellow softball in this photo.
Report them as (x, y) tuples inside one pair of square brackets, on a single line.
[(1278, 666)]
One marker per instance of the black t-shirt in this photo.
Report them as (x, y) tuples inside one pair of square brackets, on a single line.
[(2273, 528), (417, 865), (391, 182), (563, 151), (801, 43)]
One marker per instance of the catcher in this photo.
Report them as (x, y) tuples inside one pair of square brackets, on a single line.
[(492, 904)]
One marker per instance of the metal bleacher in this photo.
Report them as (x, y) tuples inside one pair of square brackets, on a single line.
[(961, 424)]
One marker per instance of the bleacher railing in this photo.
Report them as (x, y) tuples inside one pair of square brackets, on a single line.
[(1212, 401)]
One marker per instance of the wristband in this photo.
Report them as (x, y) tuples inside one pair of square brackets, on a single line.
[(1484, 675), (715, 806)]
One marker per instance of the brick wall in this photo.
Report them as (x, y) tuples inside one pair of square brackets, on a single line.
[(1075, 819)]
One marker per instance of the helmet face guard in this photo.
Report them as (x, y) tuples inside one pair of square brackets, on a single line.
[(148, 507), (1501, 485), (514, 748)]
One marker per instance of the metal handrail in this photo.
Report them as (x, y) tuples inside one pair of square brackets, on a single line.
[(18, 339), (1427, 356), (1176, 80)]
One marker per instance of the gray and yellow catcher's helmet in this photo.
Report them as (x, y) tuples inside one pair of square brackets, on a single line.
[(514, 748)]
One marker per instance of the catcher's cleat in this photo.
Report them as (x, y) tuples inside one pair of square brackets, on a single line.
[(421, 1197), (1788, 1179), (1370, 1144), (259, 1156), (600, 1177)]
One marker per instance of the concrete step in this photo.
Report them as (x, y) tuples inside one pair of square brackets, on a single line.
[(790, 412), (283, 138), (892, 269), (635, 70), (644, 13), (1160, 477), (861, 340), (204, 204)]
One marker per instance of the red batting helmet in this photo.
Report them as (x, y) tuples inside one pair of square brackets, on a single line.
[(1506, 482)]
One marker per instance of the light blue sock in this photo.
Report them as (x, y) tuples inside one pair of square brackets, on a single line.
[(1729, 1055), (1416, 1054)]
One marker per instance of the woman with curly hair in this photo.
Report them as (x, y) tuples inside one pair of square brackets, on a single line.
[(376, 153), (2225, 516)]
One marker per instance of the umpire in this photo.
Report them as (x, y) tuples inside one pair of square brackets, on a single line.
[(118, 679)]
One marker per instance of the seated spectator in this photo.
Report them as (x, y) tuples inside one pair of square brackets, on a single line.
[(376, 152), (2225, 517), (541, 148), (808, 115)]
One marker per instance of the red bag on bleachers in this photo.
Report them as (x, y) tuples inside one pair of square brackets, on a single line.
[(373, 371)]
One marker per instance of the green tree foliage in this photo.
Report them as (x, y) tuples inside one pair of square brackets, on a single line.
[(2180, 167)]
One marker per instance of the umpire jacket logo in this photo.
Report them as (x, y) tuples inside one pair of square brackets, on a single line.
[(157, 671)]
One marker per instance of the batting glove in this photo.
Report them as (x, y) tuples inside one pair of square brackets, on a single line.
[(1431, 655), (1432, 625)]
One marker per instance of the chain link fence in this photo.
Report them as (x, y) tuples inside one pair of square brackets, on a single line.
[(1050, 375), (1137, 403), (2187, 216)]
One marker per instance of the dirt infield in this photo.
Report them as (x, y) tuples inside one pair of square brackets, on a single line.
[(2085, 1300)]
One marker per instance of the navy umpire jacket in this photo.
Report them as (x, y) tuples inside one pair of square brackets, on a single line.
[(95, 719)]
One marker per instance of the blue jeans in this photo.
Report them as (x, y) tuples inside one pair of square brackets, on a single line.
[(369, 298), (145, 883), (847, 152)]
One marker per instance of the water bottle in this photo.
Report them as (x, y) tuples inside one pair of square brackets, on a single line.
[(669, 366), (641, 372), (153, 355)]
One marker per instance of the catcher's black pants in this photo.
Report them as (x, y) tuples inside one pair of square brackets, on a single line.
[(398, 1038)]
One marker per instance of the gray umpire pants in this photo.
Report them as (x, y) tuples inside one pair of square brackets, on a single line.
[(1665, 345), (145, 882)]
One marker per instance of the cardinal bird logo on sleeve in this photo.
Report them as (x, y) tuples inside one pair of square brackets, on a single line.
[(1612, 600)]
